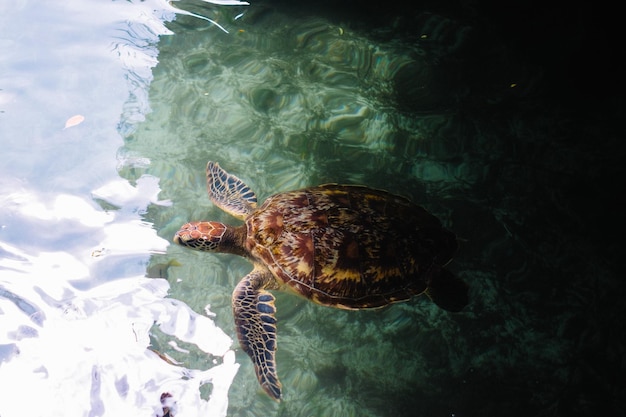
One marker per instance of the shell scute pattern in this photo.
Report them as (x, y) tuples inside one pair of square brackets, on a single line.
[(350, 247)]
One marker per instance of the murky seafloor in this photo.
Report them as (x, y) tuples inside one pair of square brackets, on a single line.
[(106, 137)]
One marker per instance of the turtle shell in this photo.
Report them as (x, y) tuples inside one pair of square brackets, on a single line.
[(349, 246)]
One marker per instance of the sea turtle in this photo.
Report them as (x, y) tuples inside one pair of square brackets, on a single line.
[(343, 246)]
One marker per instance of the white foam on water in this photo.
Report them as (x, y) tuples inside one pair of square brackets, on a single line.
[(88, 354), (70, 351)]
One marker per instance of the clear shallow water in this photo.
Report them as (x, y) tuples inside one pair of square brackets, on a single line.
[(433, 106)]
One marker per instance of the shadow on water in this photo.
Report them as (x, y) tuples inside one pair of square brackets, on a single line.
[(451, 108)]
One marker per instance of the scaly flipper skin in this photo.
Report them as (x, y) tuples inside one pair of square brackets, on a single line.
[(228, 192), (254, 309)]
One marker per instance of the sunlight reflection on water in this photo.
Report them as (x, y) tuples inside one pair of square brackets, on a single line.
[(77, 314), (80, 336)]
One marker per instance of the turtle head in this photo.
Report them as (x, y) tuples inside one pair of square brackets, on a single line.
[(204, 236)]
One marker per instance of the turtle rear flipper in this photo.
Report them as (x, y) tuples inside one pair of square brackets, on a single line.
[(253, 308), (448, 291)]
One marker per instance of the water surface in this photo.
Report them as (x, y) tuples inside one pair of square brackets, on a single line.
[(446, 106)]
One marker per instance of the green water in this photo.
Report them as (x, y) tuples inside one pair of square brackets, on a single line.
[(504, 120), (286, 100)]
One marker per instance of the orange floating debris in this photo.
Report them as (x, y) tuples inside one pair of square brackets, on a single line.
[(74, 120)]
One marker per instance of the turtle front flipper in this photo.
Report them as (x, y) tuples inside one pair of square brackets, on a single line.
[(228, 192), (253, 308)]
